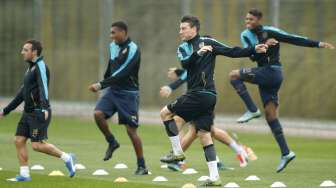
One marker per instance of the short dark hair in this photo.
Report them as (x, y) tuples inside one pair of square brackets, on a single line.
[(192, 20), (121, 25), (255, 12), (36, 45)]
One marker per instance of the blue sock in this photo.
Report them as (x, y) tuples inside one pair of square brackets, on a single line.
[(279, 136), (141, 162), (244, 95)]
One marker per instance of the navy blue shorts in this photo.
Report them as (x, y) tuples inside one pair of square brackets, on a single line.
[(126, 103), (268, 78)]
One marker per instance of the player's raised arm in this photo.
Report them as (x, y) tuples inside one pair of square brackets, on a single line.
[(185, 59), (298, 40), (236, 52), (246, 44)]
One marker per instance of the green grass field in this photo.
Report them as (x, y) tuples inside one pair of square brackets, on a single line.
[(316, 158)]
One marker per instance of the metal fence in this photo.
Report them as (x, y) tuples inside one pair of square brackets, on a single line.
[(75, 36)]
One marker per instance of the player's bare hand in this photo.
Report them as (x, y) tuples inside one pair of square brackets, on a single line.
[(165, 91), (204, 49), (261, 48), (326, 45), (172, 74), (46, 115), (95, 87), (271, 42)]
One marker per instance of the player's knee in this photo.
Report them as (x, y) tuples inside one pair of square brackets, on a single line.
[(234, 75), (164, 113), (19, 142), (131, 132), (98, 115), (178, 120), (270, 112), (270, 115), (205, 137)]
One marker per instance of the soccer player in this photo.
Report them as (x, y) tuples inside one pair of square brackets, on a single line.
[(268, 75), (121, 94), (179, 76), (36, 116), (197, 56)]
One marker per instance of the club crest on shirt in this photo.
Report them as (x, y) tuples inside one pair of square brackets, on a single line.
[(264, 35), (201, 45), (124, 51)]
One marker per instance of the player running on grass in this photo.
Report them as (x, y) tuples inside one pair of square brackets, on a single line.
[(197, 56), (268, 75), (121, 94), (179, 76), (36, 116)]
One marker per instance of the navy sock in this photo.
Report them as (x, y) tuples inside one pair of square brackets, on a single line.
[(244, 95), (210, 153), (279, 136), (141, 162), (171, 128), (110, 139)]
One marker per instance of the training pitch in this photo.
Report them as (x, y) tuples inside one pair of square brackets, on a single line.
[(315, 162)]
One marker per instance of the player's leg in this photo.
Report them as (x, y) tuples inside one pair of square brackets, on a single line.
[(237, 78), (188, 138), (22, 155), (210, 156), (21, 150), (38, 128), (203, 124), (47, 148), (52, 150), (21, 137), (185, 138), (105, 109), (221, 135), (127, 106), (186, 141), (101, 121), (271, 110), (172, 130), (225, 138), (270, 79), (137, 145)]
